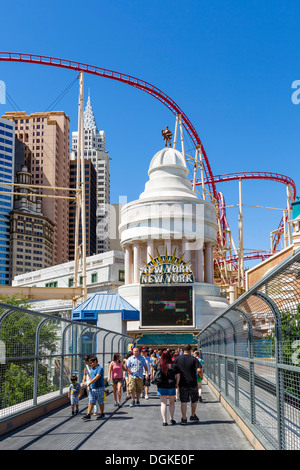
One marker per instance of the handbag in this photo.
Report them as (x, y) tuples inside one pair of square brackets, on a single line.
[(157, 379)]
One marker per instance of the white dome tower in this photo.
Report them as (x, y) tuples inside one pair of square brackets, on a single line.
[(169, 222)]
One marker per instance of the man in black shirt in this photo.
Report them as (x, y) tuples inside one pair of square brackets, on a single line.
[(188, 366)]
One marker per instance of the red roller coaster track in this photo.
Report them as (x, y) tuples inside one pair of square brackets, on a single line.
[(210, 179), (121, 77), (265, 175)]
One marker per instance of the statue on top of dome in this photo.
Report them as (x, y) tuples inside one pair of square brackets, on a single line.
[(167, 136)]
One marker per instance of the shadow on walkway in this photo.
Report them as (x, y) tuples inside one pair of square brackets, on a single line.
[(126, 428)]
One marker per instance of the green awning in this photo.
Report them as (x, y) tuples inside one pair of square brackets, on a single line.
[(165, 339)]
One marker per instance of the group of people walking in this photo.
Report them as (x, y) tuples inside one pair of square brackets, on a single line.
[(178, 376)]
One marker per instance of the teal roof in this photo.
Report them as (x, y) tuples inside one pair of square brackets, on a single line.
[(172, 339), (105, 303)]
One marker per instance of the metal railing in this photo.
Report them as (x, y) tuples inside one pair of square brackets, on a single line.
[(39, 353), (252, 356)]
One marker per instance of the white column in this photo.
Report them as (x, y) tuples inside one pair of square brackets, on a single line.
[(168, 248), (187, 251), (128, 264), (136, 262), (209, 263), (200, 265), (150, 250)]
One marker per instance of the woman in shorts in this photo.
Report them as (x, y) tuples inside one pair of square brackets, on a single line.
[(115, 376), (167, 387)]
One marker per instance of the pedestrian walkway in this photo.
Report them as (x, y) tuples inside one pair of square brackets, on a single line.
[(61, 431)]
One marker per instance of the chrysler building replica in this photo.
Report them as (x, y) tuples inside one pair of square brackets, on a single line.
[(94, 150)]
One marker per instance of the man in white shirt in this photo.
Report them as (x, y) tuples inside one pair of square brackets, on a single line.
[(135, 366)]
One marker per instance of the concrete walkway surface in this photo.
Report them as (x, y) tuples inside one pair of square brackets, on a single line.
[(123, 426)]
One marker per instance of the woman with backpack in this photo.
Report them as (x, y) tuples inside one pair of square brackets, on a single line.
[(166, 388)]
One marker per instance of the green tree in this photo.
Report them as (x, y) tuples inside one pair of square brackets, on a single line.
[(18, 333), (290, 322), (17, 386)]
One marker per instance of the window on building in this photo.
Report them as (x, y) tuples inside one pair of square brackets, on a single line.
[(51, 284), (94, 277)]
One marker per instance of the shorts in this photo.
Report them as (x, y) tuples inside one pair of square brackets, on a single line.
[(135, 385), (187, 393), (115, 381), (199, 379), (146, 382), (170, 392), (74, 400), (96, 395)]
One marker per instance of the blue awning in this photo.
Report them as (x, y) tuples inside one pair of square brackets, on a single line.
[(104, 303)]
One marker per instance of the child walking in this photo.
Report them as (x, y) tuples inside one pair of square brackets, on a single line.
[(74, 394)]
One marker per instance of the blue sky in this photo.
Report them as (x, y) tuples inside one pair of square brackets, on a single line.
[(228, 64)]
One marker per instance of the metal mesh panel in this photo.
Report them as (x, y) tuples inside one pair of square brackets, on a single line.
[(252, 353), (39, 353)]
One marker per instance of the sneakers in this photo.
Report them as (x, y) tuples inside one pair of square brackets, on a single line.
[(86, 417), (146, 397), (132, 404), (101, 416), (138, 403), (194, 418), (116, 404), (183, 421)]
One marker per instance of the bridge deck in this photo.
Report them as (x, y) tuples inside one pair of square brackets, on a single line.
[(138, 428)]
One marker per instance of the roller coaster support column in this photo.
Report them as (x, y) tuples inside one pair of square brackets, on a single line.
[(241, 239), (199, 153), (285, 234), (179, 121), (80, 250)]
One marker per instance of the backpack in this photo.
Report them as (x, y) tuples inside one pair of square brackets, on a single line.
[(157, 379)]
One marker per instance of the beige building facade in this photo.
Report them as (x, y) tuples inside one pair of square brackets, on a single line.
[(31, 234), (46, 138)]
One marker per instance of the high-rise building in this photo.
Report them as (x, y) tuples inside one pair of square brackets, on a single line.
[(46, 137), (7, 155), (94, 150), (90, 209), (31, 234)]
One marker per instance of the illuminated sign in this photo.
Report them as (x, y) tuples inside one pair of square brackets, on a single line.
[(166, 270), (167, 306)]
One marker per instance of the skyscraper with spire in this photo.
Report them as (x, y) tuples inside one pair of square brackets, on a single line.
[(94, 150)]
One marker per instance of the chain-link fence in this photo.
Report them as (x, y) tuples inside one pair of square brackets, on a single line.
[(40, 352), (252, 356)]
